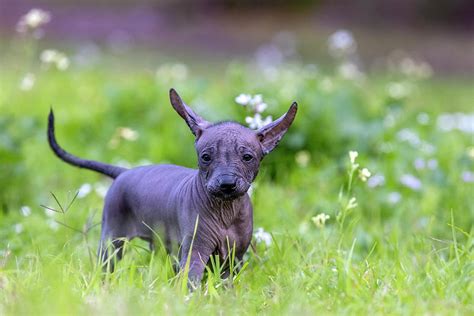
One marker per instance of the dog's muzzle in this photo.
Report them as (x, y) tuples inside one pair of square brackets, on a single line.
[(227, 184), (228, 187)]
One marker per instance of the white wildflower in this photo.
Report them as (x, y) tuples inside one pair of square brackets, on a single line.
[(56, 58), (256, 121), (253, 122), (342, 43), (48, 56), (320, 220), (352, 156), (260, 107), (62, 63), (256, 99), (267, 121), (25, 210), (364, 174), (410, 181), (456, 121), (352, 203), (128, 134), (243, 99), (125, 133), (84, 190), (33, 20), (27, 82), (262, 236), (37, 17), (256, 104)]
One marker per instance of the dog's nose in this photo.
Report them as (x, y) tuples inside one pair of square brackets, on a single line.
[(227, 184)]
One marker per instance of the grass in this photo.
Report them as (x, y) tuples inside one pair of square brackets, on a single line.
[(401, 250)]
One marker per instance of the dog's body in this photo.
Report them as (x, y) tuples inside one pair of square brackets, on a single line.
[(173, 206), (206, 211)]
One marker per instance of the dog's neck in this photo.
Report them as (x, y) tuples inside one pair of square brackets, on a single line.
[(213, 208)]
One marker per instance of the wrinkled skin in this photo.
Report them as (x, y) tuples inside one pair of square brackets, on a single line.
[(234, 158), (210, 203)]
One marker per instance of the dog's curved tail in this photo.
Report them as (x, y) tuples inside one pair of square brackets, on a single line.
[(108, 170)]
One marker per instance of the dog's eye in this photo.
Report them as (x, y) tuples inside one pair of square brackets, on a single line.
[(247, 157), (206, 157)]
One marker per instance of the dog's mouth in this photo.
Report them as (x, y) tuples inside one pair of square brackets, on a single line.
[(228, 192), (227, 195), (227, 186)]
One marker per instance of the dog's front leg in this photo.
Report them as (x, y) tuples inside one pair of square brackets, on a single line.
[(198, 258), (234, 268)]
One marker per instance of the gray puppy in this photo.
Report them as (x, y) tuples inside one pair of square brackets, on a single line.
[(205, 212)]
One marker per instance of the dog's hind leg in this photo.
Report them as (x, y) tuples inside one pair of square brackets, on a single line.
[(116, 230), (110, 252)]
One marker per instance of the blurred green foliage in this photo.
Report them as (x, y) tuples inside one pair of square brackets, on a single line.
[(399, 245)]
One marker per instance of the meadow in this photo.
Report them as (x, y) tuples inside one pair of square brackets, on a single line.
[(366, 206)]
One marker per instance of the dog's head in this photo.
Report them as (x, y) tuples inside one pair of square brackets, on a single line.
[(229, 154)]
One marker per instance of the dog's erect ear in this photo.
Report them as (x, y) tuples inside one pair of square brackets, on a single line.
[(270, 134), (196, 123)]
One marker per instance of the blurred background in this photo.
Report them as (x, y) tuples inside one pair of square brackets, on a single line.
[(369, 194), (439, 32)]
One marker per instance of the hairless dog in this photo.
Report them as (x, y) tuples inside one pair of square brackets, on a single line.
[(205, 212)]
